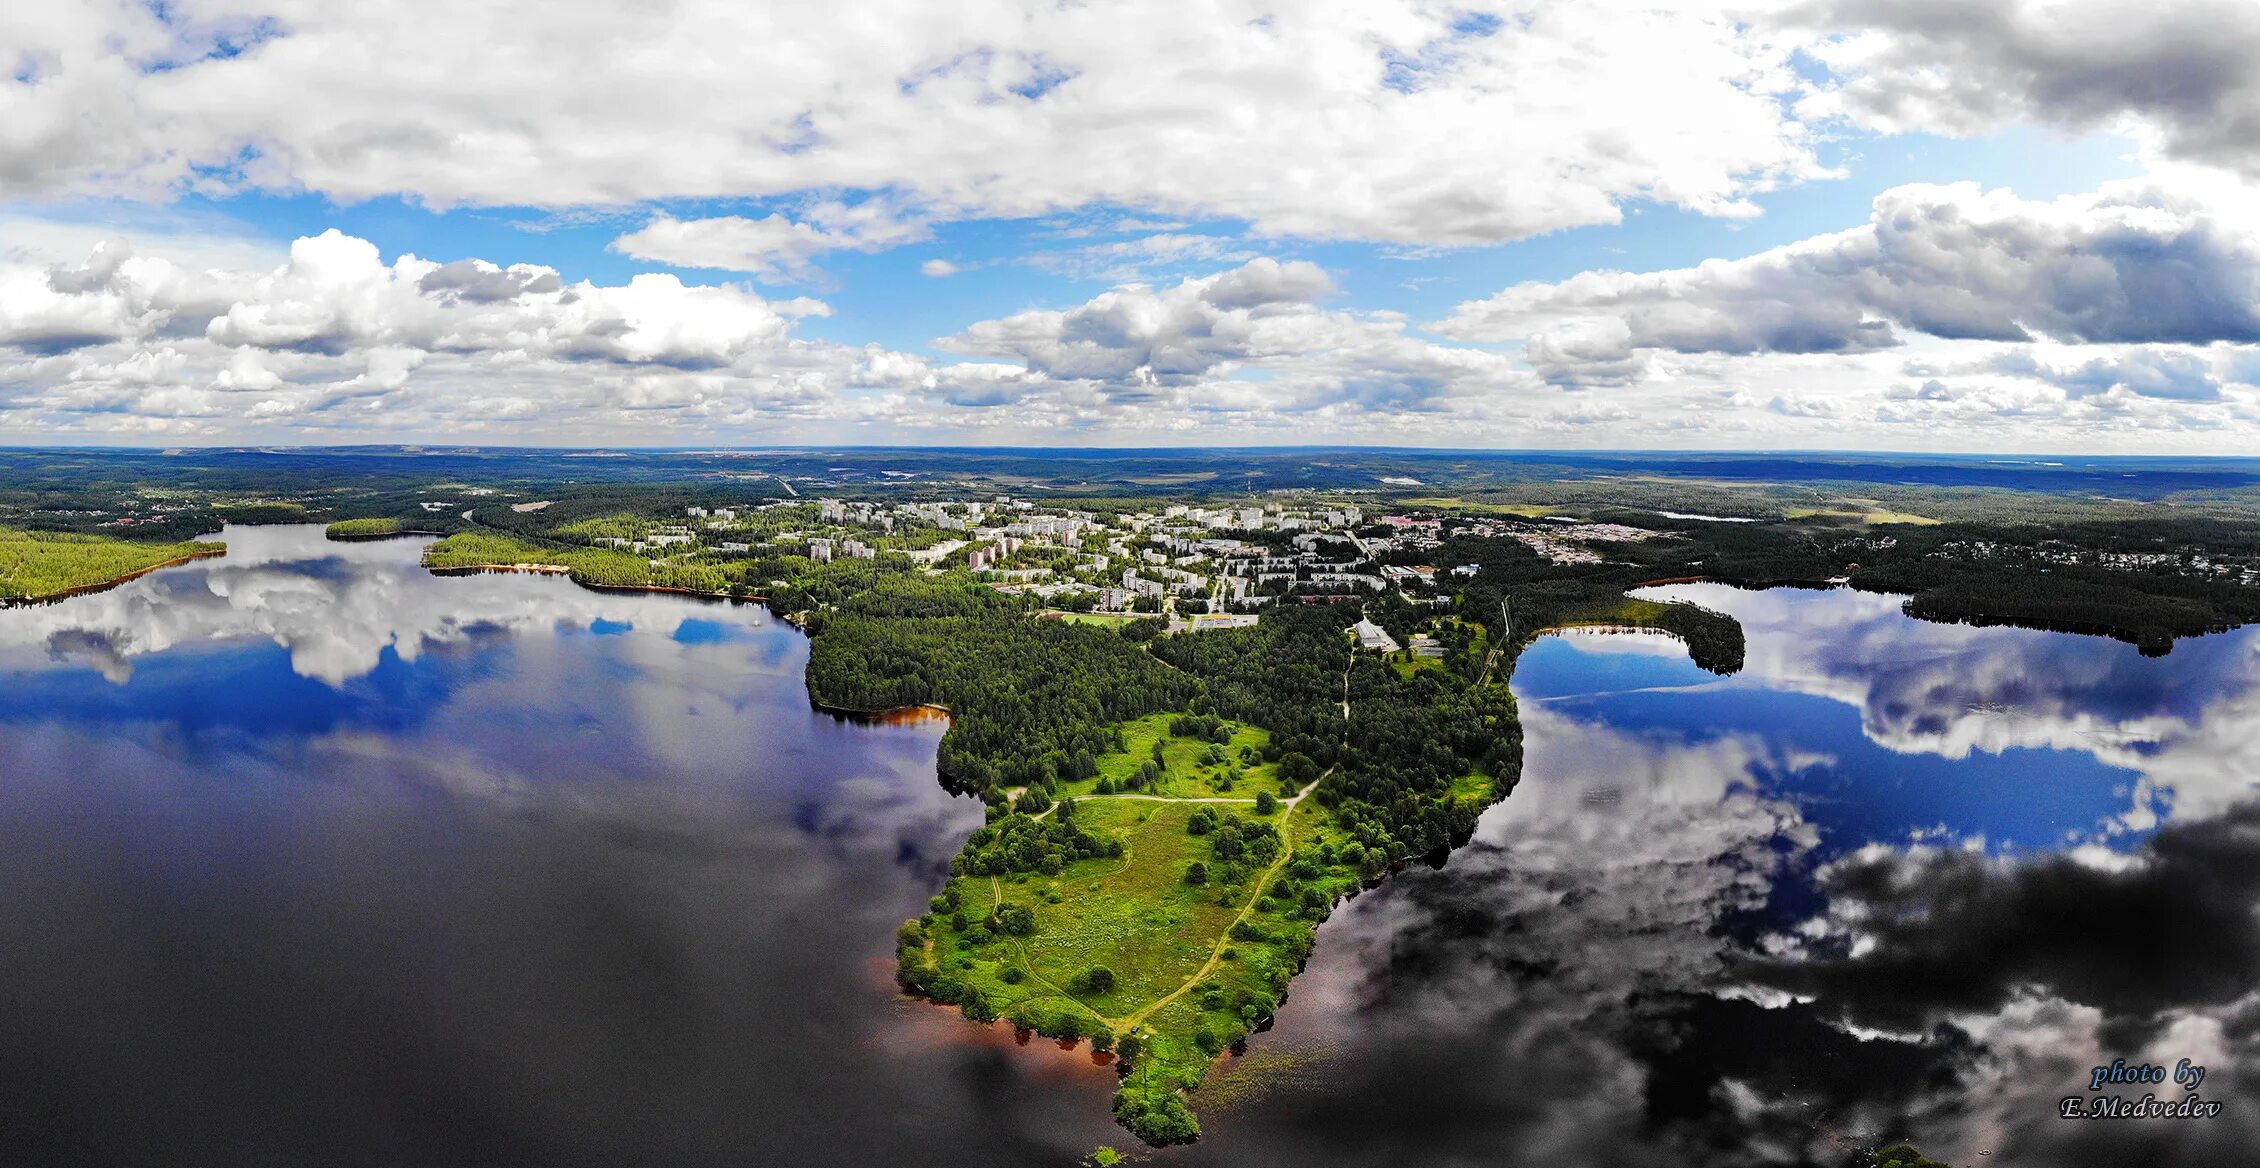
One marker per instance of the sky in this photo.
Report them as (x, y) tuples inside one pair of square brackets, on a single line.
[(1918, 225)]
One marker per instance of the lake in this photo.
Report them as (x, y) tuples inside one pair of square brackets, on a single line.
[(309, 857)]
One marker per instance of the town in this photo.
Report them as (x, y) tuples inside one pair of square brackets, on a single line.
[(1195, 568)]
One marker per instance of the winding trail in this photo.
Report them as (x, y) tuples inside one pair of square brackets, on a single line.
[(1125, 1024), (1286, 853)]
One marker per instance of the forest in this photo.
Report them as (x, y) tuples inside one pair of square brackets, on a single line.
[(39, 564), (1032, 702)]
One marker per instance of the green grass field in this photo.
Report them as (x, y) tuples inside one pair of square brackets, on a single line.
[(1191, 769), (1135, 915), (35, 564), (1195, 966), (1104, 620)]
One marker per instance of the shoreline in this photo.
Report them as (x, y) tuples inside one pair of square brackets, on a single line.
[(891, 716), (113, 582), (562, 570), (383, 535)]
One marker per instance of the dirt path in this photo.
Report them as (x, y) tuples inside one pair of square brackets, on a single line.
[(1224, 939), (1286, 853)]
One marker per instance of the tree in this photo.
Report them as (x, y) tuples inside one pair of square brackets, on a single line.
[(1265, 804), (1196, 873), (1098, 979), (1016, 919)]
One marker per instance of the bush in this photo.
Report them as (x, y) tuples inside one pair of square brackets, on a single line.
[(1016, 919), (1160, 1120)]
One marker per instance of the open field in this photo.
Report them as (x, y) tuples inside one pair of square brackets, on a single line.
[(1135, 915), (1101, 619), (1192, 768), (1873, 518), (1521, 510)]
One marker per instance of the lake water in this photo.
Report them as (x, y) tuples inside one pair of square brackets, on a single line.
[(308, 857)]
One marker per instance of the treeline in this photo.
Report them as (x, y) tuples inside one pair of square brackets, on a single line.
[(1028, 698), (2052, 577)]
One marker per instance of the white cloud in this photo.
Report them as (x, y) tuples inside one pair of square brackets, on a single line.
[(1252, 339), (2179, 76), (1394, 120), (773, 249), (2133, 263), (338, 343), (938, 269)]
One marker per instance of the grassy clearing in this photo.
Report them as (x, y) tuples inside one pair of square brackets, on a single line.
[(1873, 518), (1453, 503), (1192, 965), (1135, 915), (35, 564), (1192, 768), (1407, 663), (1101, 619)]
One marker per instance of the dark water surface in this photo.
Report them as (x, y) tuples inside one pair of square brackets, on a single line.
[(309, 858)]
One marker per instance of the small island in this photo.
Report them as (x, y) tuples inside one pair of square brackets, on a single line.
[(347, 530)]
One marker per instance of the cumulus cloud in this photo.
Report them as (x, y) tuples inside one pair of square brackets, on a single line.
[(2178, 75), (2129, 264), (127, 339), (337, 339), (1139, 343), (1914, 934), (772, 249), (1398, 120), (2169, 374), (339, 342)]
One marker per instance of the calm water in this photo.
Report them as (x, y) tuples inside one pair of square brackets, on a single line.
[(308, 857)]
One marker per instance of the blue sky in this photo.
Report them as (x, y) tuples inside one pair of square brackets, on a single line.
[(1485, 224)]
